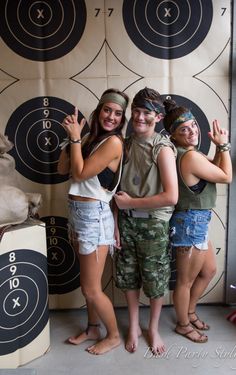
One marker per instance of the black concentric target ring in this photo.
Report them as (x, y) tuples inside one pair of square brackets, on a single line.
[(23, 298), (36, 132), (167, 29), (42, 30)]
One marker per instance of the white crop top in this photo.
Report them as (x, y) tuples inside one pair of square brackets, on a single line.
[(92, 188)]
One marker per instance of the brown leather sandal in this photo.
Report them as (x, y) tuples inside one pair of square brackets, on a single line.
[(202, 326), (201, 337)]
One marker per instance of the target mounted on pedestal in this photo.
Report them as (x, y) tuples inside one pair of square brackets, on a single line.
[(23, 298), (36, 132), (42, 30)]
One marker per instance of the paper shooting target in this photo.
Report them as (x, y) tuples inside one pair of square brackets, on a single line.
[(63, 264), (167, 29), (42, 30), (23, 298), (36, 132), (52, 39), (204, 143), (169, 38)]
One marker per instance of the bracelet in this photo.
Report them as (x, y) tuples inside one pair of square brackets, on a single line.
[(223, 147), (74, 141)]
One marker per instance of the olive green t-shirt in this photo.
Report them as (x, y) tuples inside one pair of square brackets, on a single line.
[(141, 176)]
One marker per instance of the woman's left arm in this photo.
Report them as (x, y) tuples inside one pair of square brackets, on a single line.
[(107, 155)]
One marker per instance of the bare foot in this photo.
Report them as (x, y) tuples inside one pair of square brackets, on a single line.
[(156, 343), (93, 333), (131, 344), (104, 345)]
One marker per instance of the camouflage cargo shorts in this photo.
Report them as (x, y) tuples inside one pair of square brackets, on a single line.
[(143, 260)]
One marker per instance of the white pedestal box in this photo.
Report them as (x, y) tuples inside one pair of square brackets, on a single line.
[(24, 313)]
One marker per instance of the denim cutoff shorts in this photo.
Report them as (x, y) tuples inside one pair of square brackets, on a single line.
[(190, 228), (90, 224)]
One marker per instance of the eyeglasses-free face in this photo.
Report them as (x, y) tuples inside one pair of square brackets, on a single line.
[(186, 134), (144, 121), (110, 116), (188, 127)]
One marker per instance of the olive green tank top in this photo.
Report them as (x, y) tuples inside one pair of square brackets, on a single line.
[(192, 200)]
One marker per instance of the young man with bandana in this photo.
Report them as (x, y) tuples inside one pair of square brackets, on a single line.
[(149, 191)]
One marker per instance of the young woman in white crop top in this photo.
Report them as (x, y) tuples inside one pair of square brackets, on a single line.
[(95, 169)]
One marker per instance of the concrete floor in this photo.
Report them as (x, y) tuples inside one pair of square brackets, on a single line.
[(217, 356)]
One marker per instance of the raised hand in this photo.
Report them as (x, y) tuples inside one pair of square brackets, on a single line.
[(71, 125), (218, 135)]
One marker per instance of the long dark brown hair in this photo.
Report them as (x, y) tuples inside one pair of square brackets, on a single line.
[(97, 134)]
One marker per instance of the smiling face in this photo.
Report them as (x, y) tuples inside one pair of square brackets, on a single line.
[(144, 121), (187, 134), (110, 116)]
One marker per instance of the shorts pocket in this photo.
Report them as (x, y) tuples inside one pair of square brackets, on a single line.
[(86, 215), (203, 219), (178, 229)]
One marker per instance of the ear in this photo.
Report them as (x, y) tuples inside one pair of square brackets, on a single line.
[(159, 117)]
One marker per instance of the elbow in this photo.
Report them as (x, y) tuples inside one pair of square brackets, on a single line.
[(62, 171), (59, 171), (174, 197), (172, 201), (227, 179), (77, 177), (230, 179)]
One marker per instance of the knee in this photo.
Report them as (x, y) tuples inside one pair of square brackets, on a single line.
[(90, 294), (212, 272), (184, 283), (209, 273)]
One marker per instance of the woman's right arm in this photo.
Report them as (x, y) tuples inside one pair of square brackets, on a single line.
[(195, 165), (63, 166), (115, 211)]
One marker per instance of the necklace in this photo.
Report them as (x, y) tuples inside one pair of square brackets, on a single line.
[(136, 179), (138, 162)]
